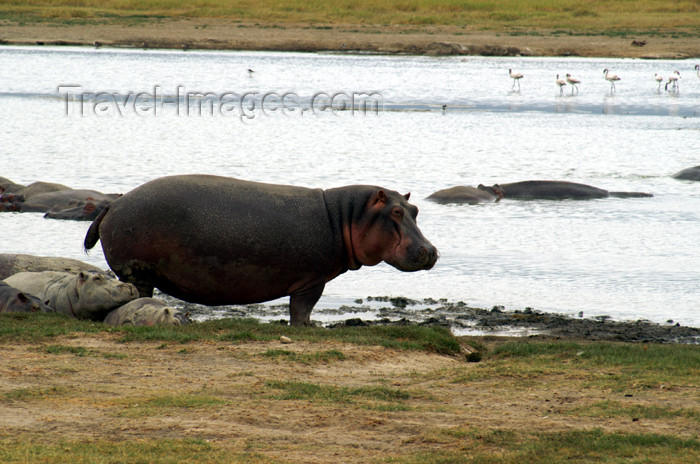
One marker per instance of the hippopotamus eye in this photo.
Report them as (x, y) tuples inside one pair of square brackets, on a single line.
[(397, 213)]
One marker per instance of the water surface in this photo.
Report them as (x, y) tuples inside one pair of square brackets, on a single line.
[(627, 258)]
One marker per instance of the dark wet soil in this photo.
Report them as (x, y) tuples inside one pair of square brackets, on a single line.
[(461, 319)]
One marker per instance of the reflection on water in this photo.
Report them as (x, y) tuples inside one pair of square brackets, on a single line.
[(628, 258)]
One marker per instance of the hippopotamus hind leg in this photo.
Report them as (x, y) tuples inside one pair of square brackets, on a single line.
[(301, 304), (138, 274)]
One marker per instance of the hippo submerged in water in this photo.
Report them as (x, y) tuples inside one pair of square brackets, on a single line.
[(688, 174), (465, 194), (556, 190), (216, 240), (58, 201)]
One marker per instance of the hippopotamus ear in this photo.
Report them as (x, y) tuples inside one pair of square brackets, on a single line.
[(407, 196), (82, 276), (89, 207), (22, 297), (379, 197)]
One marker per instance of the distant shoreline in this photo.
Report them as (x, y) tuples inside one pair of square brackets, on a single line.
[(220, 34)]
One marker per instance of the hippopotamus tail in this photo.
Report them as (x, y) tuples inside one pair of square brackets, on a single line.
[(93, 233), (630, 195)]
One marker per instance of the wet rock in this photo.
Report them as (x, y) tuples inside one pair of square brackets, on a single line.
[(445, 49)]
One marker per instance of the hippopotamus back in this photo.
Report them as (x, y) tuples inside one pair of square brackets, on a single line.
[(85, 295), (557, 190), (216, 240), (62, 199), (688, 174), (11, 264), (466, 194)]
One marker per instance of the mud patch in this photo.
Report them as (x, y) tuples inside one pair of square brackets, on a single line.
[(460, 318)]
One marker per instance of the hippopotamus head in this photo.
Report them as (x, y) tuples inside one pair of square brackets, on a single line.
[(387, 231), (99, 293), (86, 210), (12, 300), (495, 190)]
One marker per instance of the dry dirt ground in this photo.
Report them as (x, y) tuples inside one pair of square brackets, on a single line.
[(233, 35), (95, 387)]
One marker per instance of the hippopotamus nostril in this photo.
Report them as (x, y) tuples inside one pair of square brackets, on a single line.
[(426, 256), (431, 256)]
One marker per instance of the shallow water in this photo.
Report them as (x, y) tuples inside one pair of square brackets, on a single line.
[(627, 258)]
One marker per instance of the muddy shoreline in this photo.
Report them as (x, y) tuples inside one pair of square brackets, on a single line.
[(220, 34), (461, 319)]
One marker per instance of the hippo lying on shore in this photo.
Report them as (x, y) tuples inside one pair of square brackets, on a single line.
[(216, 240), (146, 311), (465, 194), (86, 295), (15, 301), (556, 190), (688, 174), (11, 264)]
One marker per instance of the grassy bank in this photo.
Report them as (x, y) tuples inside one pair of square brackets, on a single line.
[(231, 391), (572, 15)]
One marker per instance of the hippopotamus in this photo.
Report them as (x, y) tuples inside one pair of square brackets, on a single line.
[(84, 211), (466, 194), (556, 190), (39, 188), (217, 240), (9, 207), (63, 199), (688, 174), (6, 185), (146, 311), (14, 301), (11, 264), (11, 197), (85, 295)]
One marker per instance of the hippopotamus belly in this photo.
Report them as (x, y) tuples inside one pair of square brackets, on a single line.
[(196, 243), (216, 240)]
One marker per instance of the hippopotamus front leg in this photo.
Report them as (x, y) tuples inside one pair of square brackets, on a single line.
[(301, 304)]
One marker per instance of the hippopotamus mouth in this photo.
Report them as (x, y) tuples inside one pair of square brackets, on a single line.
[(420, 258)]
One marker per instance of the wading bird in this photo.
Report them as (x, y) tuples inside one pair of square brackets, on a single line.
[(673, 80), (658, 78), (612, 78), (561, 83), (516, 78), (574, 83)]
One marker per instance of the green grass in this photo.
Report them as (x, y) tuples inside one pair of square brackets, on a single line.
[(38, 327), (599, 15), (169, 404), (27, 394), (136, 451), (612, 409), (305, 358), (293, 390), (585, 446), (619, 367), (475, 446)]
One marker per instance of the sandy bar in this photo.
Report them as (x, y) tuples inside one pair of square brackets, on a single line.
[(219, 34)]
